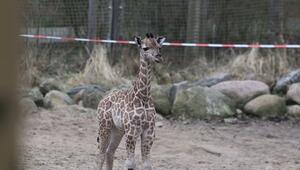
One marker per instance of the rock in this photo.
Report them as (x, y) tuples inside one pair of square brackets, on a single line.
[(231, 120), (266, 106), (239, 111), (27, 105), (263, 78), (294, 93), (202, 102), (48, 85), (286, 80), (91, 99), (88, 95), (187, 122), (159, 117), (159, 124), (160, 95), (35, 95), (56, 98), (293, 110), (176, 87), (213, 80), (242, 91), (90, 88)]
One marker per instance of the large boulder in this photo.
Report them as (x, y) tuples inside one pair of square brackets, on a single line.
[(261, 77), (48, 85), (286, 80), (35, 95), (176, 87), (294, 93), (293, 110), (91, 99), (160, 95), (27, 105), (242, 91), (213, 80), (202, 102), (56, 98), (266, 106), (90, 87), (90, 95)]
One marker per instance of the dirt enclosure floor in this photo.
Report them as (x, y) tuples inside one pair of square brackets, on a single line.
[(65, 139)]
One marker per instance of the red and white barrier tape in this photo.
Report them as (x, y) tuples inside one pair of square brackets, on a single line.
[(166, 43)]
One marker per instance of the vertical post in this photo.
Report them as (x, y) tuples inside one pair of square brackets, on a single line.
[(196, 26), (115, 26), (115, 19), (275, 19), (92, 23), (275, 28)]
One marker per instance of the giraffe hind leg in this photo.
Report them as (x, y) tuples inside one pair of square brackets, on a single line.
[(104, 135), (102, 146)]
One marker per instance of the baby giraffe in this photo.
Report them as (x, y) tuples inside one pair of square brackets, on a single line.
[(130, 112)]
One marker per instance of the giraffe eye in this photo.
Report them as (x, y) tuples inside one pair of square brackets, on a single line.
[(146, 49)]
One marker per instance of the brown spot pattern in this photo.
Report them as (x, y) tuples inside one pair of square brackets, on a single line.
[(130, 108)]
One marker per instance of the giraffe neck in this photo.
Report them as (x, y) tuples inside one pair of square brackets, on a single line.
[(142, 84)]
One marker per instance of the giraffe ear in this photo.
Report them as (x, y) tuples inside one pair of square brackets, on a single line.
[(160, 40), (138, 41)]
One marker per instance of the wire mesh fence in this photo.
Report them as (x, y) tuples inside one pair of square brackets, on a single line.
[(194, 21), (222, 21)]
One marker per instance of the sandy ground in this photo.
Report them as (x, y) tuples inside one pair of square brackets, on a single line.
[(65, 138)]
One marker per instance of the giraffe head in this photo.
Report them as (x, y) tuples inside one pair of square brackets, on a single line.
[(150, 47)]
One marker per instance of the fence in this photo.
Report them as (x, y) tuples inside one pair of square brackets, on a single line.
[(194, 21)]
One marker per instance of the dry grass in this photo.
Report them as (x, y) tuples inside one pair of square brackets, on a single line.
[(39, 63), (29, 73), (97, 71), (259, 64), (256, 61)]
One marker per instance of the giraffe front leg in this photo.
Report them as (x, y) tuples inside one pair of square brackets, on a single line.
[(147, 139), (130, 149)]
